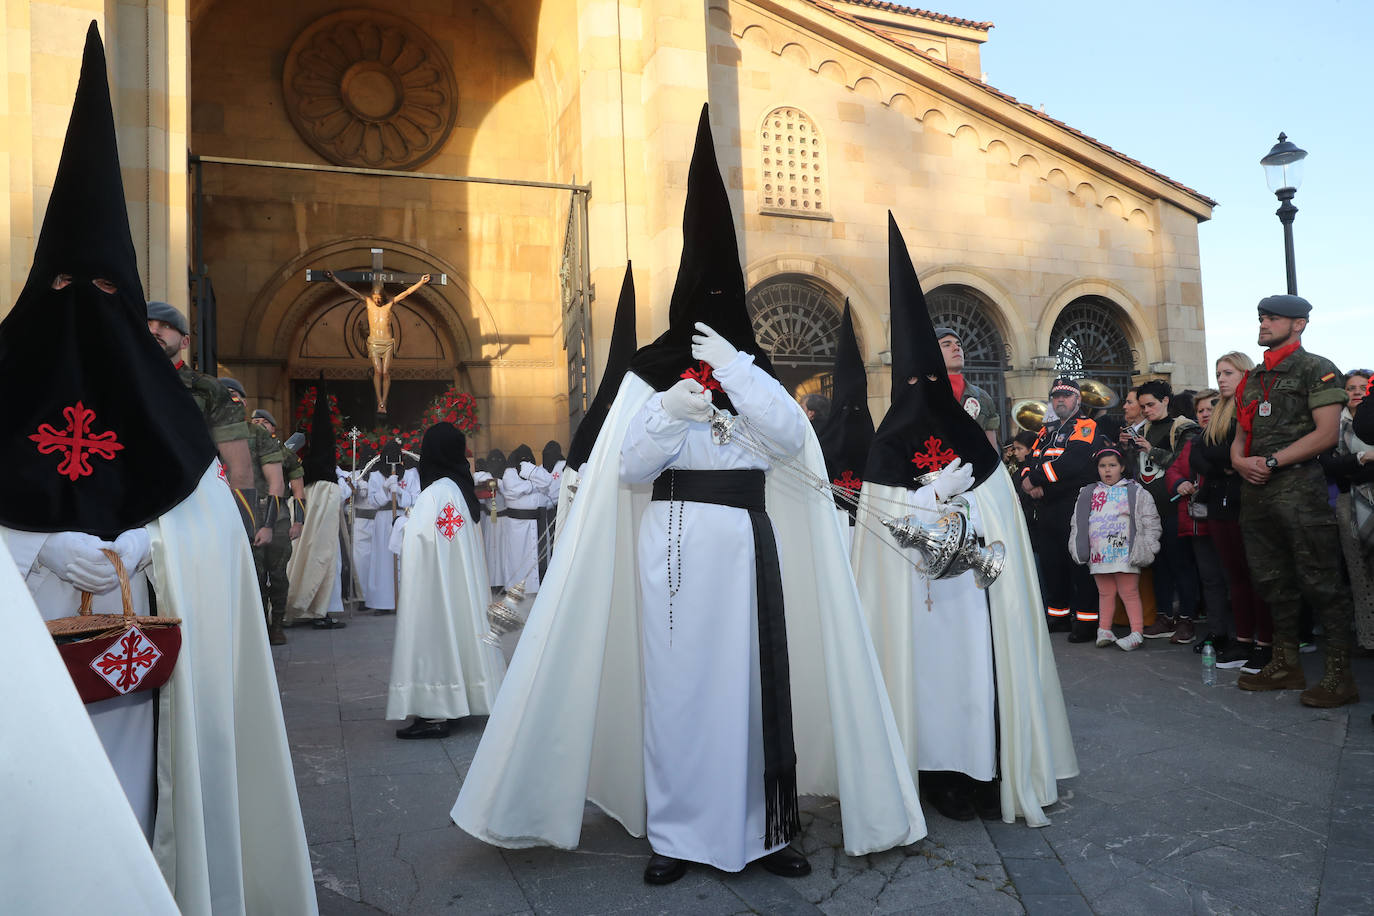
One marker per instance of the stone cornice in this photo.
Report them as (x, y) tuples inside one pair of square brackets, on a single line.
[(824, 22)]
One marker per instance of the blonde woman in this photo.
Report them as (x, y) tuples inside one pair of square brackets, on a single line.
[(1211, 457)]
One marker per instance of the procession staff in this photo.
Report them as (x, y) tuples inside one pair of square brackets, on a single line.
[(1060, 464), (106, 451), (1288, 411), (656, 695)]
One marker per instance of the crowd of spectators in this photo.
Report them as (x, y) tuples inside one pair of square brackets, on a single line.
[(1194, 453)]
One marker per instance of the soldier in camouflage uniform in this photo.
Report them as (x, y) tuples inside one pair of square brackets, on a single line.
[(1288, 412), (272, 578), (267, 477), (225, 419), (975, 401)]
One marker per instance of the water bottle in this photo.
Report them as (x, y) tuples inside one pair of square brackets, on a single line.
[(1209, 665)]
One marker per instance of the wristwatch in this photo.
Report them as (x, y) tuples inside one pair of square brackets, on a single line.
[(1271, 462)]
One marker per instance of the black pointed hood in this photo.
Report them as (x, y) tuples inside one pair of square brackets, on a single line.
[(552, 454), (97, 433), (444, 453), (320, 457), (710, 282), (925, 428), (847, 432), (623, 345)]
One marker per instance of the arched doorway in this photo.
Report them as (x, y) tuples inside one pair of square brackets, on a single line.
[(1088, 341), (797, 323), (985, 354)]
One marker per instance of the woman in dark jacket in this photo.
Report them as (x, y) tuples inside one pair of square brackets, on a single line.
[(1211, 457)]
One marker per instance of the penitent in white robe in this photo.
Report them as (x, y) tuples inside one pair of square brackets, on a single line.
[(519, 537), (440, 668), (1034, 747), (489, 525), (372, 558), (70, 844), (577, 681), (228, 833), (315, 570), (124, 723), (703, 784)]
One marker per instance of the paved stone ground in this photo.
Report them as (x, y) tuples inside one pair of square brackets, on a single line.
[(1191, 800)]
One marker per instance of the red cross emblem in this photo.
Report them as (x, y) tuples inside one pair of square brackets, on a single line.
[(703, 376), (76, 442), (449, 521), (935, 457), (127, 661), (847, 481)]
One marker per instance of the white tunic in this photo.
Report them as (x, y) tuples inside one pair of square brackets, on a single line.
[(372, 559), (519, 537), (951, 652), (440, 668), (703, 738), (125, 723), (61, 802)]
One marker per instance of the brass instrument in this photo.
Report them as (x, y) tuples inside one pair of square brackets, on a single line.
[(1098, 396), (1030, 414)]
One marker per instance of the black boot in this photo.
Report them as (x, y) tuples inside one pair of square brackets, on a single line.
[(951, 796), (663, 870), (1083, 630), (987, 799), (423, 728)]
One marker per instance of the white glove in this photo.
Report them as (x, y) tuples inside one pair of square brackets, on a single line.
[(688, 400), (955, 478), (133, 547), (711, 348), (526, 469), (389, 485), (76, 558)]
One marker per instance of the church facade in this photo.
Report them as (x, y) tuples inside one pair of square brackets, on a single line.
[(521, 151)]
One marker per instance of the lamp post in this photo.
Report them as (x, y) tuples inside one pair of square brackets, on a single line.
[(1283, 171)]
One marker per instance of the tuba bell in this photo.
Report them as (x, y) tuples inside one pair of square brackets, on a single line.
[(1029, 414), (1097, 395)]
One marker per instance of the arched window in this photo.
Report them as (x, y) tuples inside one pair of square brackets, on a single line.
[(1088, 342), (797, 323), (985, 355), (792, 165)]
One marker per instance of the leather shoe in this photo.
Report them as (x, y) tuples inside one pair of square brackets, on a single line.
[(328, 623), (787, 863), (663, 870), (423, 728), (953, 804), (987, 800)]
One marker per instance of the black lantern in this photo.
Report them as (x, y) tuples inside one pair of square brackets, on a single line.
[(1283, 171)]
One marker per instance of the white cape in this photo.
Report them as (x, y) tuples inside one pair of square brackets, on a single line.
[(314, 568), (1035, 747), (440, 668), (70, 843), (574, 690)]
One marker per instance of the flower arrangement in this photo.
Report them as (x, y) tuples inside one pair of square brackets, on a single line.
[(452, 406)]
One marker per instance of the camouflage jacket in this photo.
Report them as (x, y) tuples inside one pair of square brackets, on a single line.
[(1294, 388)]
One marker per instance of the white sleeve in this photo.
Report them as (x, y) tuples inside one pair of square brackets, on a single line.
[(767, 405), (513, 485), (652, 442)]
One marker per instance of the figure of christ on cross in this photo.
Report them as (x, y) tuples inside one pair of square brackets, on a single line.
[(381, 346)]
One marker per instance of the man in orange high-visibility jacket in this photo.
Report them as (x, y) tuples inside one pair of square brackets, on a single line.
[(1059, 465)]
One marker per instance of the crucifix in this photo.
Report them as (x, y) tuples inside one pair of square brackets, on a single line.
[(381, 346)]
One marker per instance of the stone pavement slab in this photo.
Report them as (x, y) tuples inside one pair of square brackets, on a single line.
[(1190, 800)]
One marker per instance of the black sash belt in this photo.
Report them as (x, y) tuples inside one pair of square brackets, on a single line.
[(528, 515), (744, 489), (542, 533)]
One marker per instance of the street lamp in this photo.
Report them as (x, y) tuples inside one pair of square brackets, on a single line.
[(1283, 171)]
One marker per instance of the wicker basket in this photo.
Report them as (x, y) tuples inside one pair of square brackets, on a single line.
[(109, 655)]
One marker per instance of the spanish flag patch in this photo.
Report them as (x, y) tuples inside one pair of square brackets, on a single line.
[(1328, 377)]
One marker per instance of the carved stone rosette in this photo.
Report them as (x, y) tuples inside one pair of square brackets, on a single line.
[(366, 88)]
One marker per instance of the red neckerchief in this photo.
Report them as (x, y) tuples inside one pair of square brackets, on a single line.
[(178, 364), (1245, 413), (1272, 358), (957, 383)]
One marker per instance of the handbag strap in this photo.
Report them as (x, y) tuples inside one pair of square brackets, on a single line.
[(126, 594)]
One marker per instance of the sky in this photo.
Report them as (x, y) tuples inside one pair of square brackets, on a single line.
[(1199, 91)]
